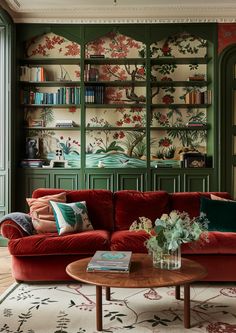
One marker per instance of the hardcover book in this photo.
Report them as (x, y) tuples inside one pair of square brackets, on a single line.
[(110, 261)]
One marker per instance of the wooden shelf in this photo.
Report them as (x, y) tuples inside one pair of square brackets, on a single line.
[(114, 128), (183, 106), (50, 83), (51, 61), (120, 61), (58, 106), (114, 106), (181, 61), (75, 128), (182, 128), (180, 84), (117, 83)]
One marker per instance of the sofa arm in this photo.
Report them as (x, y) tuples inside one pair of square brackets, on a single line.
[(9, 229)]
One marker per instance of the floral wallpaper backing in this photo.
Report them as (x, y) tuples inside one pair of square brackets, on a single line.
[(124, 145)]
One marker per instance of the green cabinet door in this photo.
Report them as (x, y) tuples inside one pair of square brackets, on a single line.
[(99, 180), (131, 180), (69, 180), (196, 182), (29, 181), (168, 181)]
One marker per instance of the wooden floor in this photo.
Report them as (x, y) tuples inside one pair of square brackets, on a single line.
[(5, 269)]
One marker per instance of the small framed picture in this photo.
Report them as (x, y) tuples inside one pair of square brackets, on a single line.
[(194, 160), (32, 147)]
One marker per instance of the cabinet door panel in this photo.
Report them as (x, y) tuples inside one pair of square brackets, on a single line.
[(169, 183), (103, 181), (196, 183), (27, 185), (129, 181), (69, 181)]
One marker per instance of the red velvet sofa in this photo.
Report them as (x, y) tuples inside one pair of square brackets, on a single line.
[(43, 257)]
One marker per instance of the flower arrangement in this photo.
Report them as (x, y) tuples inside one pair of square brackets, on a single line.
[(171, 230)]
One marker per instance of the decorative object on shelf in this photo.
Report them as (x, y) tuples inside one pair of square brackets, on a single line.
[(101, 164), (59, 155), (194, 160), (32, 147), (168, 233)]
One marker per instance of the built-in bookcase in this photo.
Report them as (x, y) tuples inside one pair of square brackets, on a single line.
[(121, 103)]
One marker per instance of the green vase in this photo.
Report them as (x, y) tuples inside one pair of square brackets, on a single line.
[(167, 259)]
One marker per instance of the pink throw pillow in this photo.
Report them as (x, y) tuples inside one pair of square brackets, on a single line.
[(41, 212), (215, 197)]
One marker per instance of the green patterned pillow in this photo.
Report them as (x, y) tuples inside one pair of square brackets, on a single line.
[(71, 217)]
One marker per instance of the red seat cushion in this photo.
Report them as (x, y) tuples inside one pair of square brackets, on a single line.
[(218, 243), (126, 240), (86, 242)]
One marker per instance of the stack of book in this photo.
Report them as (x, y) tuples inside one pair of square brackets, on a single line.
[(65, 123), (110, 261), (32, 163)]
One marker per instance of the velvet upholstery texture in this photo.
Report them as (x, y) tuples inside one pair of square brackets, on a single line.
[(99, 204), (44, 257), (190, 201), (130, 205), (86, 242), (126, 240)]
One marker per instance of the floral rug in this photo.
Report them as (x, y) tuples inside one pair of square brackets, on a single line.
[(70, 308)]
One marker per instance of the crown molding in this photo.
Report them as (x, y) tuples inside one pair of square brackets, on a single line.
[(125, 14)]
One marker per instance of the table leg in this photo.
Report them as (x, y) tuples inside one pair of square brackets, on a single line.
[(187, 305), (177, 292), (99, 307), (108, 293)]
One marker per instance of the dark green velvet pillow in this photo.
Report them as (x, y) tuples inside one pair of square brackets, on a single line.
[(221, 214)]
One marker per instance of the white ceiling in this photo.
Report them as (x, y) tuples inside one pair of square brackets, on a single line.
[(121, 11)]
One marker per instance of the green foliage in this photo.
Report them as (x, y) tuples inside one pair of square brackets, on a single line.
[(111, 147)]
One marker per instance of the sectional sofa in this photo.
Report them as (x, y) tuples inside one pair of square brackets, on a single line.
[(43, 257)]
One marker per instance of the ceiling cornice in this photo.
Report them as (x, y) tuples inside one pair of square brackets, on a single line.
[(124, 14)]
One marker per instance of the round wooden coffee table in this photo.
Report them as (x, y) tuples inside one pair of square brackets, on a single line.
[(142, 275)]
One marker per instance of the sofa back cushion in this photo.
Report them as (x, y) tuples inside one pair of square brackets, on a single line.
[(130, 205), (190, 201), (99, 204)]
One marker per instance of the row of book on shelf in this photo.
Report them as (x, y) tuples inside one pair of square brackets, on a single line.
[(64, 95), (35, 74), (197, 96), (94, 94)]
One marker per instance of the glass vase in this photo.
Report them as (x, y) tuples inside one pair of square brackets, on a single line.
[(167, 259)]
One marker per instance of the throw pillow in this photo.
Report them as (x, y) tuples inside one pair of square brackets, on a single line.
[(215, 197), (42, 214), (221, 214), (71, 217)]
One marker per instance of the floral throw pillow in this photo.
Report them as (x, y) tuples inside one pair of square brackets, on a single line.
[(71, 217)]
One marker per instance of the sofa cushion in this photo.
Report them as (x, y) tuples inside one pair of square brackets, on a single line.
[(190, 201), (221, 214), (41, 212), (71, 217), (130, 205), (86, 242), (218, 243), (126, 240), (99, 204)]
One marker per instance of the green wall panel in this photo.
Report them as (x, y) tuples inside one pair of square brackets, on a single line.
[(65, 181), (129, 181), (196, 183), (166, 182), (103, 181)]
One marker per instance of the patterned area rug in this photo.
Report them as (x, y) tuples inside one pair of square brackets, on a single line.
[(70, 308)]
